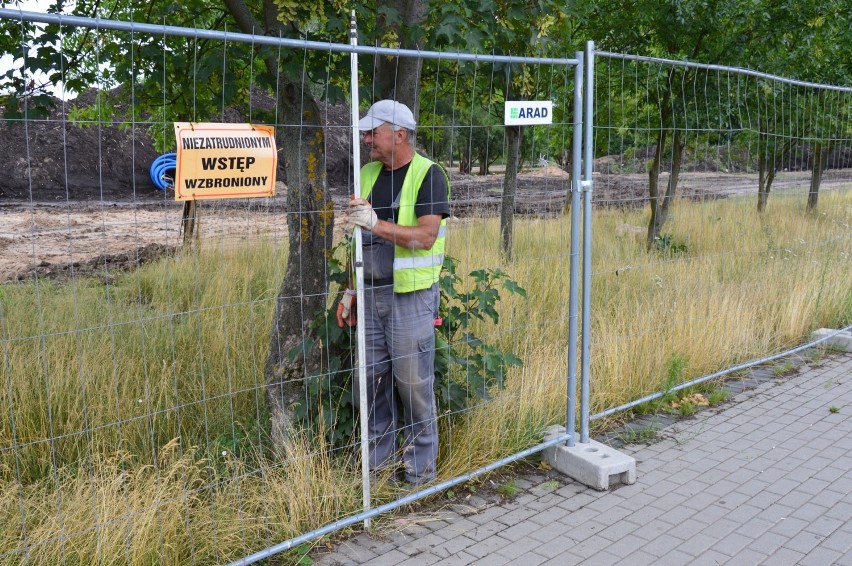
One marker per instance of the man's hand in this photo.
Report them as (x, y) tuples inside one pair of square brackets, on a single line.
[(346, 309), (359, 213)]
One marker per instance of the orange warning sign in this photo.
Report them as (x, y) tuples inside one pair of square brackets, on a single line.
[(217, 161)]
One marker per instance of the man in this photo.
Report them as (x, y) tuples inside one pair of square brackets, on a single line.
[(402, 216)]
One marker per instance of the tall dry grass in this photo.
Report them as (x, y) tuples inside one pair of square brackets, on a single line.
[(136, 430)]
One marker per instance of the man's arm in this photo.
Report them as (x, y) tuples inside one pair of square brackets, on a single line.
[(420, 237), (433, 196)]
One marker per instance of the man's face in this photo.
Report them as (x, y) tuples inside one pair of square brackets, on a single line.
[(382, 141)]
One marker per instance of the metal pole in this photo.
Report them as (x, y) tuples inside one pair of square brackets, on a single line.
[(359, 280), (588, 156), (576, 156)]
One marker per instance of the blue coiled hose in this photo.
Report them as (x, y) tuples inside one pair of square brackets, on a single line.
[(163, 171)]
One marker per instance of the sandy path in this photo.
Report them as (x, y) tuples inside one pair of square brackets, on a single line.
[(46, 236)]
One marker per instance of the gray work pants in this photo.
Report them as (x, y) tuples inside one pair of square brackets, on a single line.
[(400, 360)]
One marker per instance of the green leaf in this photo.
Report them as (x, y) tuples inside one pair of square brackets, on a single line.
[(512, 360), (480, 275), (304, 346), (472, 340), (514, 288)]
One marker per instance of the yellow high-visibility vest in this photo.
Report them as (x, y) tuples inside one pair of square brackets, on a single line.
[(412, 269)]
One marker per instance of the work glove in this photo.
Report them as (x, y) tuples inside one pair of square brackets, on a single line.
[(346, 309), (359, 213)]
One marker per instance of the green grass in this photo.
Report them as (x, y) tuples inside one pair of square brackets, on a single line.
[(717, 396), (783, 368), (140, 404), (509, 489), (638, 435), (687, 409)]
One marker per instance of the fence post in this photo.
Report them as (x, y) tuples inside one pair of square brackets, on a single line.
[(588, 157), (359, 280), (576, 157)]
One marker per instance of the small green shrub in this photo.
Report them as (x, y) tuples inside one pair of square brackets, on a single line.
[(466, 366), (670, 245), (675, 368)]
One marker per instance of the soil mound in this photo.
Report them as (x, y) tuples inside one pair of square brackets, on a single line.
[(58, 158), (69, 157)]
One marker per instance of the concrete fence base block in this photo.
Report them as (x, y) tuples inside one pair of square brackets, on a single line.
[(842, 341), (593, 464)]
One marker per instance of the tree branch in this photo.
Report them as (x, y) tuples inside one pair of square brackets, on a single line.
[(246, 21)]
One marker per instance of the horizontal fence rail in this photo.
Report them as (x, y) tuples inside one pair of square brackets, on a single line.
[(726, 68), (302, 44)]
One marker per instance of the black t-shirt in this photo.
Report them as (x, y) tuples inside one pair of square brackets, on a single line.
[(431, 199)]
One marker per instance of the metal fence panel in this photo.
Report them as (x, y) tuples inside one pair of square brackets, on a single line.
[(136, 366), (746, 177)]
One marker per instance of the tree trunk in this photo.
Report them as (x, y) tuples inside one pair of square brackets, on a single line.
[(767, 166), (465, 162), (398, 78), (660, 212), (310, 219), (678, 146), (566, 210), (819, 160), (657, 202), (654, 186), (483, 162), (510, 184), (762, 172)]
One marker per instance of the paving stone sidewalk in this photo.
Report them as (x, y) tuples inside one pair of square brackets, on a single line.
[(765, 479)]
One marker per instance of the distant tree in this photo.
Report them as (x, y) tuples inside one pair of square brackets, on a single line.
[(513, 27), (695, 30), (807, 41)]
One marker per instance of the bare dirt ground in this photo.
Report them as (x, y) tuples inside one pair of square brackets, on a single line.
[(58, 241), (54, 239)]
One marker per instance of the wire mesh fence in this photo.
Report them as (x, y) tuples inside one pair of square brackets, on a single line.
[(746, 177), (189, 400)]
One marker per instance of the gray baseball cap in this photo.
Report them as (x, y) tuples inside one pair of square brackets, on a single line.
[(390, 111)]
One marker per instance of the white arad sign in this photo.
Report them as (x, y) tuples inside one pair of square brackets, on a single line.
[(528, 112)]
